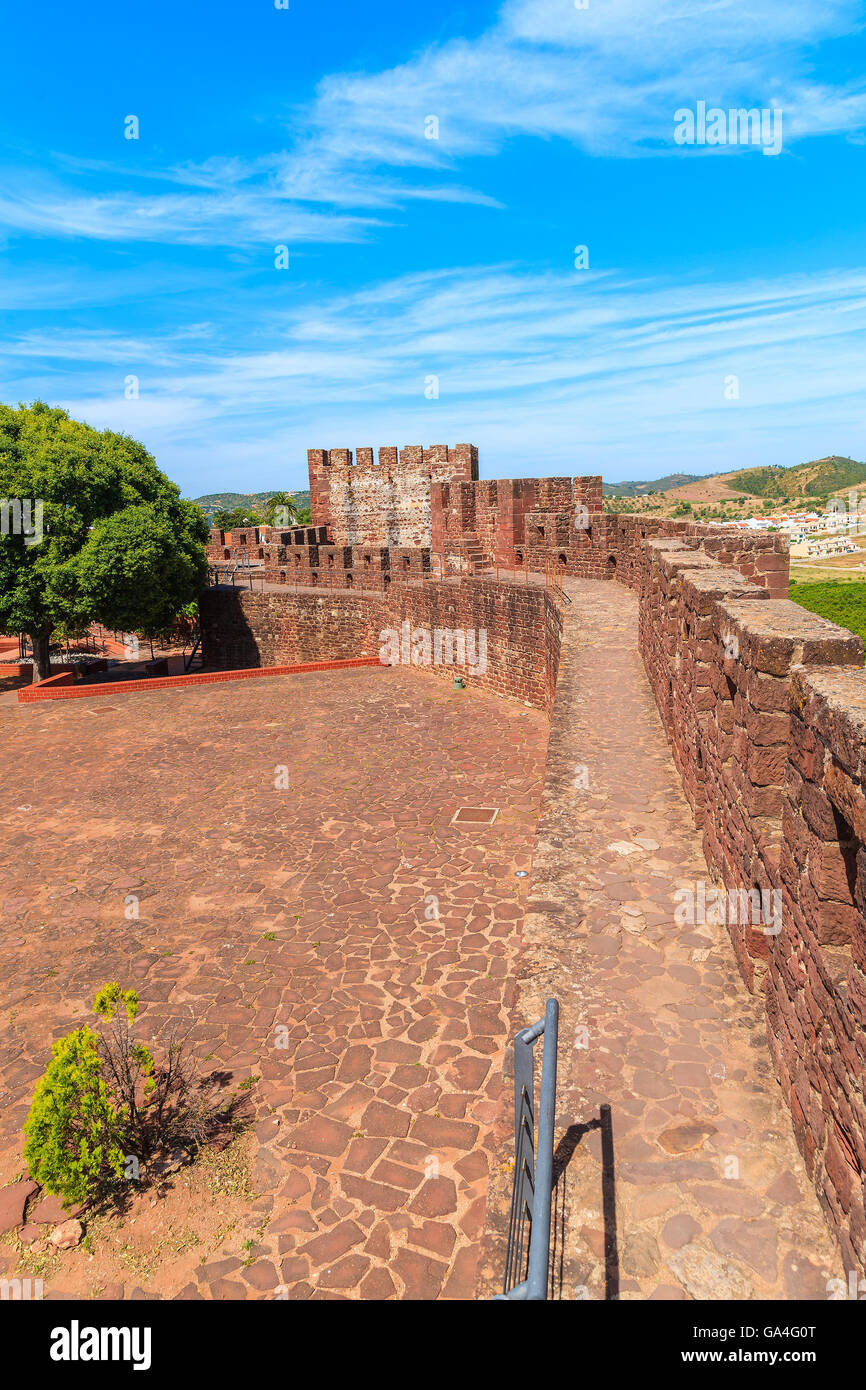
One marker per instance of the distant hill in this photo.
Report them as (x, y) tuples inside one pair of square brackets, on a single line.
[(819, 478), (227, 501), (670, 480), (726, 496)]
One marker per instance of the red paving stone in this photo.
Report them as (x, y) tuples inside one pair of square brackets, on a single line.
[(375, 1118)]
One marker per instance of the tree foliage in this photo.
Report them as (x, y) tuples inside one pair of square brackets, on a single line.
[(74, 1127), (840, 601), (231, 518), (119, 545), (283, 505)]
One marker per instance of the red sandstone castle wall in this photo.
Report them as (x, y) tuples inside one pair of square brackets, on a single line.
[(764, 705), (816, 981), (765, 708), (611, 546), (523, 628), (506, 520)]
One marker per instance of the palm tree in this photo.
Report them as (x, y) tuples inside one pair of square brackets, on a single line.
[(286, 501)]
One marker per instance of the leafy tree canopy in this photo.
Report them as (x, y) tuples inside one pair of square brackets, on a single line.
[(230, 518), (118, 545), (288, 514)]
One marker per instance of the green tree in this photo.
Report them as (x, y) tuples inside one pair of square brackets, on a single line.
[(118, 545), (136, 571), (231, 517), (285, 500), (103, 1100)]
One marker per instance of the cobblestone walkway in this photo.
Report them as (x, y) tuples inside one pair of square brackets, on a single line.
[(341, 947), (707, 1196)]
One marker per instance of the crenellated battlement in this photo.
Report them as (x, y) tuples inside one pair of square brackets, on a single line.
[(457, 461), (368, 500)]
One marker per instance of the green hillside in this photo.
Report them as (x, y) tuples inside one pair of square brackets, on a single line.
[(226, 501), (660, 485), (819, 478)]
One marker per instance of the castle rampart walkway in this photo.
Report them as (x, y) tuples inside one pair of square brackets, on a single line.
[(708, 1197)]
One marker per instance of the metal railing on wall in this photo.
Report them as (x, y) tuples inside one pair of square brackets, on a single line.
[(552, 577), (527, 1258), (251, 576)]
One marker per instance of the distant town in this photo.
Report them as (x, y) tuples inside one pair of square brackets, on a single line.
[(811, 534)]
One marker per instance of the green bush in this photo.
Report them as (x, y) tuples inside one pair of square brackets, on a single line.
[(103, 1100), (74, 1128)]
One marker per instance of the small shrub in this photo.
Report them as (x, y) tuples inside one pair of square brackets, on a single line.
[(164, 1107), (74, 1126), (103, 1098)]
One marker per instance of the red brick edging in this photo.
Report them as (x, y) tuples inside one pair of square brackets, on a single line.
[(61, 687)]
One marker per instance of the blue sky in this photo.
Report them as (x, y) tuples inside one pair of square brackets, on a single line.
[(412, 258)]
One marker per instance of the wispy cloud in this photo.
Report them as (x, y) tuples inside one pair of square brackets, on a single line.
[(607, 79), (548, 373), (231, 217)]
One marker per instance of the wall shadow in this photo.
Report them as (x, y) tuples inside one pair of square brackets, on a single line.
[(565, 1151)]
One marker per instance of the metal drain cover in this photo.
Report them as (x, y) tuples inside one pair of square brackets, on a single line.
[(475, 815)]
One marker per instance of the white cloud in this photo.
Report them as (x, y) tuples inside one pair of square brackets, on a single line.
[(547, 373), (607, 79)]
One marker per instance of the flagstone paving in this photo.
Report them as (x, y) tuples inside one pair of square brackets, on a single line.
[(294, 929), (337, 939), (707, 1196)]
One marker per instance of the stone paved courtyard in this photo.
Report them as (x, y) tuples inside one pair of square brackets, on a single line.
[(299, 916), (304, 914)]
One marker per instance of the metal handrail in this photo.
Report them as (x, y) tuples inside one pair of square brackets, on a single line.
[(527, 1270), (551, 576), (188, 660)]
